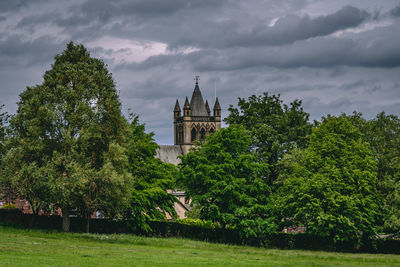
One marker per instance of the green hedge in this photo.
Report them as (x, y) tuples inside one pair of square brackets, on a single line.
[(203, 231)]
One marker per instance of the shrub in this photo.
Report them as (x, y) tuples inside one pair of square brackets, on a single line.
[(9, 206)]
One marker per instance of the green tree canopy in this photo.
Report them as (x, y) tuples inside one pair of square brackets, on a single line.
[(330, 187), (383, 133), (275, 127), (228, 183), (69, 137), (3, 121), (151, 179)]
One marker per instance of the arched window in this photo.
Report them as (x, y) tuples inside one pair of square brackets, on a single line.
[(212, 131), (194, 134), (202, 134)]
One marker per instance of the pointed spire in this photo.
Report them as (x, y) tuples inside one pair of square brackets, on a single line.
[(217, 105), (186, 105), (208, 108), (197, 102), (177, 107)]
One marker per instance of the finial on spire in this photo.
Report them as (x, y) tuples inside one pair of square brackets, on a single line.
[(197, 78)]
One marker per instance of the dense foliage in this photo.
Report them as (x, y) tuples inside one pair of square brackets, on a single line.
[(151, 179), (3, 122), (275, 127), (330, 187), (228, 182)]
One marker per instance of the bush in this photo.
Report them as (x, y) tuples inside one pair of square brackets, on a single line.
[(9, 206), (197, 222)]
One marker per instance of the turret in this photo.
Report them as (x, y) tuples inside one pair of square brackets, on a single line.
[(177, 110), (217, 109), (208, 108), (186, 108)]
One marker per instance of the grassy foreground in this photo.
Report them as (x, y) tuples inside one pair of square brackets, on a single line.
[(20, 247)]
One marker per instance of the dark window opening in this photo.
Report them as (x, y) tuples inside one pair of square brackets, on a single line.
[(194, 134), (202, 134)]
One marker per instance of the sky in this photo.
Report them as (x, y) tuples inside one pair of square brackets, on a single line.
[(335, 56)]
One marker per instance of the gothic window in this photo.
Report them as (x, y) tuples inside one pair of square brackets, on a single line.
[(202, 134), (212, 131), (180, 135), (194, 134)]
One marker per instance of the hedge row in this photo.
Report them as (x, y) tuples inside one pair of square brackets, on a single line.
[(218, 235)]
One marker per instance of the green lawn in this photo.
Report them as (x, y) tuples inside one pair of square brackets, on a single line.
[(40, 248)]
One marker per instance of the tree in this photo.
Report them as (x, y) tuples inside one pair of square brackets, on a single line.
[(228, 183), (151, 179), (5, 187), (383, 133), (276, 128), (68, 133), (330, 187), (3, 122)]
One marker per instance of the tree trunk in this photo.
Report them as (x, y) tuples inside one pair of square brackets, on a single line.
[(87, 223), (66, 220)]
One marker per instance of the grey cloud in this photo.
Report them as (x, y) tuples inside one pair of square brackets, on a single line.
[(103, 10), (286, 30), (12, 5), (395, 11), (316, 53), (382, 51), (14, 50)]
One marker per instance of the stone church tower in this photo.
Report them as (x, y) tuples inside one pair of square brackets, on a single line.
[(196, 121), (192, 126)]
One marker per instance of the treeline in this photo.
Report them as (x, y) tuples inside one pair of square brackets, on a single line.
[(69, 147), (272, 169)]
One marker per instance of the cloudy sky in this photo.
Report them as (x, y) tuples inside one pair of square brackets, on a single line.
[(336, 56)]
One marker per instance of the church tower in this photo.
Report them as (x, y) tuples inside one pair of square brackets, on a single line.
[(196, 122)]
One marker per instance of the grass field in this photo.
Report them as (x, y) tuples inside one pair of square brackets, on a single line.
[(20, 247)]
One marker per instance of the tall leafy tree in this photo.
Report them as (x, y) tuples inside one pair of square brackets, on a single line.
[(68, 133), (383, 133), (5, 188), (228, 183), (330, 187), (3, 122), (275, 127), (151, 179)]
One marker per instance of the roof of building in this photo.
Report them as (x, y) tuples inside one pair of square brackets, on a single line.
[(197, 103), (169, 153)]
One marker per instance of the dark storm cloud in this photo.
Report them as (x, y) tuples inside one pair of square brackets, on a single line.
[(12, 5), (125, 11), (285, 30), (323, 52), (15, 50), (395, 11)]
